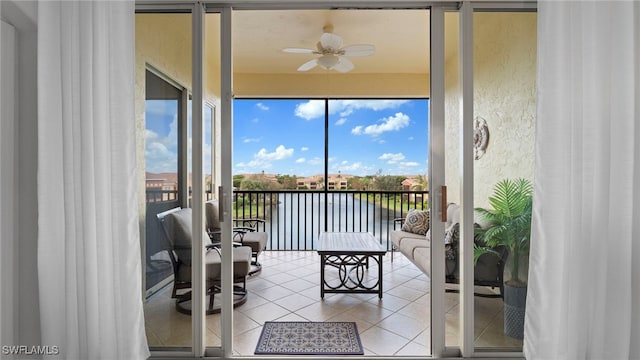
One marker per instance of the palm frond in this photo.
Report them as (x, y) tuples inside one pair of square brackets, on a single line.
[(510, 217)]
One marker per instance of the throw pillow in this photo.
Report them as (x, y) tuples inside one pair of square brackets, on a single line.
[(451, 240), (416, 221)]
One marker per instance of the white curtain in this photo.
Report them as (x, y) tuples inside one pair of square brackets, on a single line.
[(88, 243), (584, 277)]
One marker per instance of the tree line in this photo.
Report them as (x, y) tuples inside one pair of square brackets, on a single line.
[(290, 182)]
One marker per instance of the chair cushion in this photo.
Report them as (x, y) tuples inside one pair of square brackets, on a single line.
[(178, 225), (416, 221), (257, 240), (211, 215), (241, 262)]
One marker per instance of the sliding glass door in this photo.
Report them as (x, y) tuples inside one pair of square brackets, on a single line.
[(163, 70), (178, 155), (504, 67), (445, 106)]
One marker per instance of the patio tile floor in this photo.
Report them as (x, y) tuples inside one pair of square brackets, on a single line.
[(287, 289)]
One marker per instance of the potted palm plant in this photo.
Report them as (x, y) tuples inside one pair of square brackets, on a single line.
[(509, 225)]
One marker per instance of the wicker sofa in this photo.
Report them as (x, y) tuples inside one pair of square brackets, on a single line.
[(488, 270)]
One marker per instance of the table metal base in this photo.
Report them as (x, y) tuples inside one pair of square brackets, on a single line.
[(351, 274)]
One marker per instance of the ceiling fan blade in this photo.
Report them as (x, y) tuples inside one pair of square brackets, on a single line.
[(308, 65), (344, 65), (359, 50), (298, 51), (330, 41)]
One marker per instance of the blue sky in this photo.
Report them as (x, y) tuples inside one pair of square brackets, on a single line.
[(287, 137), (365, 136), (161, 136)]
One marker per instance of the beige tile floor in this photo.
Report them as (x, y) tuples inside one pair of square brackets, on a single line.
[(287, 289)]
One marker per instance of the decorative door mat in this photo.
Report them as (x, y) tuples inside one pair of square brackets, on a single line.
[(309, 338)]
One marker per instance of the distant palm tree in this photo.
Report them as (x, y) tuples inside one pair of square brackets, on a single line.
[(423, 182)]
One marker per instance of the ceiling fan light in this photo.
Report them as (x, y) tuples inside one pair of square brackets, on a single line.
[(330, 41), (328, 61)]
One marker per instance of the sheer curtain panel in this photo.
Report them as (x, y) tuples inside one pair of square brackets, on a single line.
[(88, 242), (584, 277)]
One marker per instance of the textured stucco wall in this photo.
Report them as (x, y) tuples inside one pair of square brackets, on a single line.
[(504, 95)]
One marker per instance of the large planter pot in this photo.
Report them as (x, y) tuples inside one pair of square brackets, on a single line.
[(515, 298)]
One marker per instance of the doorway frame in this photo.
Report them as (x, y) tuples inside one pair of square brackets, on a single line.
[(436, 155)]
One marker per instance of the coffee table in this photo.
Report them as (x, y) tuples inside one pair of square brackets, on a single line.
[(350, 253)]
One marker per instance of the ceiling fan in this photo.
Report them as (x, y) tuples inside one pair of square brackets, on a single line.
[(332, 54)]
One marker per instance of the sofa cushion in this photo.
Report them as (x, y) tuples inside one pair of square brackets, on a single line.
[(416, 221), (422, 259), (408, 246), (397, 237)]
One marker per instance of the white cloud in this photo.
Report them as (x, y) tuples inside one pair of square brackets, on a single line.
[(341, 121), (304, 148), (280, 153), (409, 164), (254, 165), (315, 161), (356, 168), (206, 157), (351, 167), (357, 130), (310, 110), (263, 159), (161, 152), (159, 158), (301, 160), (250, 140), (315, 108), (160, 108), (262, 106), (391, 123), (347, 107), (392, 158)]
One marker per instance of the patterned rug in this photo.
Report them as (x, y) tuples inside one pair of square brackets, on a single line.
[(309, 338)]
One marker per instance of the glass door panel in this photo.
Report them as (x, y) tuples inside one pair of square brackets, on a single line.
[(453, 93), (376, 145), (504, 119), (162, 39), (211, 173), (377, 173)]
